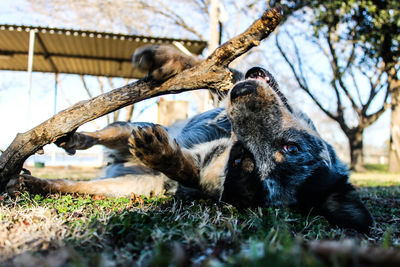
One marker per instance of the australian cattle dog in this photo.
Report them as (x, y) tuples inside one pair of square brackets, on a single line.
[(258, 151)]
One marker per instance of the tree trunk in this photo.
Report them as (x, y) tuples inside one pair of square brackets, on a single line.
[(356, 149), (394, 147)]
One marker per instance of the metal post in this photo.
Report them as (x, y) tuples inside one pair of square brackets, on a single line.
[(53, 152), (213, 44), (30, 65), (214, 26), (55, 93)]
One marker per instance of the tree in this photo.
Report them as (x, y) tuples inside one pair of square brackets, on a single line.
[(360, 41)]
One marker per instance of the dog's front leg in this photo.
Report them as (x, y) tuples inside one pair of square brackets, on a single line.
[(113, 136), (152, 145)]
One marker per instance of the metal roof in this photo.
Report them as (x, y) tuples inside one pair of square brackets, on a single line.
[(76, 51)]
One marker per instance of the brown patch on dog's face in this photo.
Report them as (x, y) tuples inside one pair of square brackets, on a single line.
[(279, 157), (248, 165)]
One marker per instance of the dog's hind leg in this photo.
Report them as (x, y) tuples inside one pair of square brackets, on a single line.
[(152, 145), (146, 184)]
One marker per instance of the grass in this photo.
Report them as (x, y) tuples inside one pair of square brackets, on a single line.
[(93, 231), (376, 175)]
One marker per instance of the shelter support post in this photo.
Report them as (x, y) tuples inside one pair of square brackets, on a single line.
[(55, 92), (30, 66)]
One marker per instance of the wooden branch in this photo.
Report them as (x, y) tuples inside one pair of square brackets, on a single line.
[(212, 73)]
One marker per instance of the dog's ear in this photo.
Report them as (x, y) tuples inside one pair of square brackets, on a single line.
[(327, 192), (343, 207)]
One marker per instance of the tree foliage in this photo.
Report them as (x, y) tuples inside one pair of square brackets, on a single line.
[(373, 26)]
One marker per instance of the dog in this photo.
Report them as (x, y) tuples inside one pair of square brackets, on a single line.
[(258, 151)]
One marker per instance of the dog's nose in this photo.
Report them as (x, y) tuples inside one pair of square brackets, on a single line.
[(242, 89)]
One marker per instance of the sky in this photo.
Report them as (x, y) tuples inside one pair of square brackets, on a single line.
[(14, 108)]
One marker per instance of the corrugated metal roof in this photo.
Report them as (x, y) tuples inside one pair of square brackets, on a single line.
[(76, 51)]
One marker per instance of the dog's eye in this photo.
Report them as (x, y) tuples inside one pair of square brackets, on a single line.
[(237, 161), (291, 148)]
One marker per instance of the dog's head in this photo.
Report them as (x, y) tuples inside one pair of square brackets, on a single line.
[(280, 159)]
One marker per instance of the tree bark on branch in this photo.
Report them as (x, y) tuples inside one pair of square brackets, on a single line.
[(213, 74)]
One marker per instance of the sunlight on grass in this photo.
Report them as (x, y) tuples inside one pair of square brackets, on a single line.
[(67, 172), (375, 179), (376, 175)]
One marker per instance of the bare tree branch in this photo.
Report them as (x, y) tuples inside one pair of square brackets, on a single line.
[(339, 106), (86, 87), (338, 74), (115, 113), (369, 119), (170, 14), (355, 84), (213, 73), (299, 80), (202, 5), (101, 87), (374, 89), (129, 112), (351, 58)]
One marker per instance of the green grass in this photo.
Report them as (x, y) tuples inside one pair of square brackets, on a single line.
[(376, 175), (377, 167), (92, 231)]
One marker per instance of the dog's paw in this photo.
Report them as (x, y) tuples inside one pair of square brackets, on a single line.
[(161, 62), (26, 183), (152, 145), (15, 186), (68, 143), (75, 141)]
